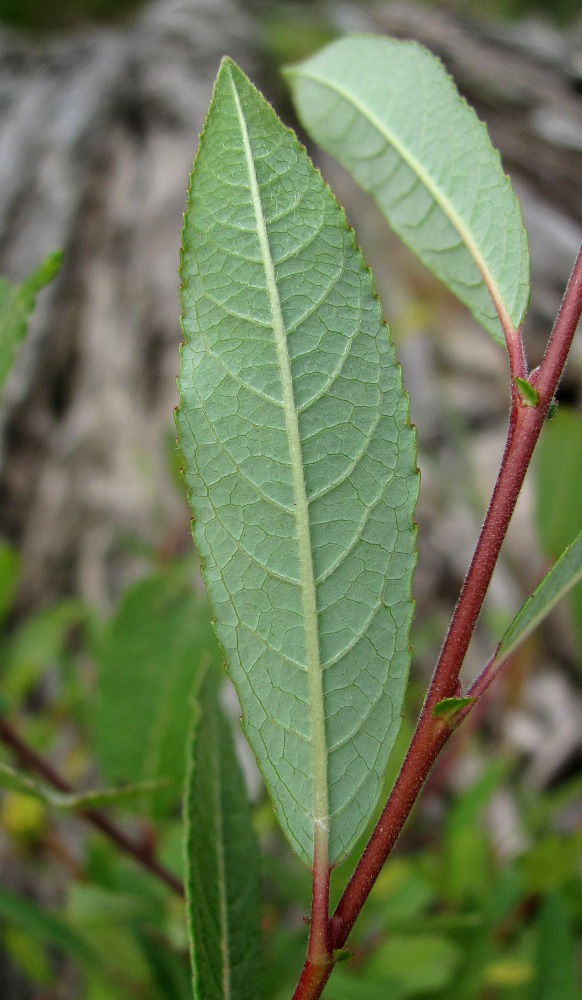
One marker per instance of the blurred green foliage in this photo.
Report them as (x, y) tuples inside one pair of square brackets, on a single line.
[(450, 917), (58, 14)]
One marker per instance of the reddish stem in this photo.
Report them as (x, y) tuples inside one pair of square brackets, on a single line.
[(141, 852), (431, 734), (318, 949)]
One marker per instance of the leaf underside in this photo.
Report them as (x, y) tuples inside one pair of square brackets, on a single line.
[(222, 862), (301, 468), (391, 115)]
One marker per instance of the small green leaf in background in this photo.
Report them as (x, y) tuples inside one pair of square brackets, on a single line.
[(146, 673), (390, 114), (16, 305), (557, 582), (9, 577), (558, 466), (556, 952), (44, 926), (301, 467), (559, 475), (18, 782), (401, 967), (222, 862), (39, 643)]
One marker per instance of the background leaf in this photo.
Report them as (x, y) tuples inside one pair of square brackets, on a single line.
[(43, 925), (390, 114), (16, 781), (559, 474), (16, 305), (147, 668), (555, 952), (301, 466), (563, 575), (222, 863)]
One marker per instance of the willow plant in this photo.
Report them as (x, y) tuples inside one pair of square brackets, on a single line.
[(300, 463)]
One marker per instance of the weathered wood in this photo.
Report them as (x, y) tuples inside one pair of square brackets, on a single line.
[(97, 135)]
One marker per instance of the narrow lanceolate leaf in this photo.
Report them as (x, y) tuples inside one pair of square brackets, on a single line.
[(16, 305), (563, 575), (222, 862), (147, 667), (388, 111), (300, 462)]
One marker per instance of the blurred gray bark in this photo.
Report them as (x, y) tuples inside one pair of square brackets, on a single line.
[(97, 134)]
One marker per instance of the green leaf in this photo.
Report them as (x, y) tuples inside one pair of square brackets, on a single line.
[(170, 972), (403, 967), (558, 466), (555, 952), (301, 467), (447, 708), (147, 668), (18, 782), (40, 641), (16, 305), (43, 925), (222, 863), (390, 114), (558, 475), (10, 563), (528, 393), (563, 575)]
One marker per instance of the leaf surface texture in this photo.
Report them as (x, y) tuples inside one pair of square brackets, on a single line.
[(390, 114), (301, 468)]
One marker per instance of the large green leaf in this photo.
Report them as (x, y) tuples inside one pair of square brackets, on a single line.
[(388, 112), (300, 462), (222, 863), (563, 575), (16, 305), (147, 667)]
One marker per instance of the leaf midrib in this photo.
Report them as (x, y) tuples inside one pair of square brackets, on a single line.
[(439, 196), (320, 805)]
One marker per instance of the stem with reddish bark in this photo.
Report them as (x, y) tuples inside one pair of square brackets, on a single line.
[(141, 852), (432, 733)]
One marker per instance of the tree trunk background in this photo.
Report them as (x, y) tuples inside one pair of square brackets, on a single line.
[(97, 133)]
